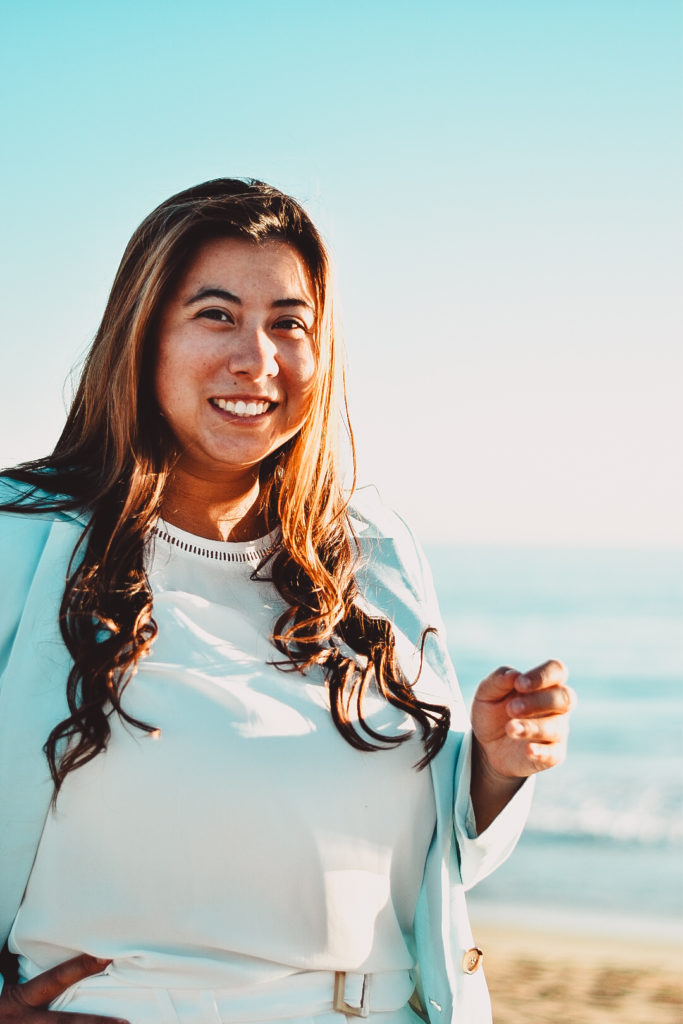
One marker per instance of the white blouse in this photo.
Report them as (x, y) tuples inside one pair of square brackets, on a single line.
[(245, 842)]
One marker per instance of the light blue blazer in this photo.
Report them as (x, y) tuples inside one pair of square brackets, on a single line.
[(34, 556)]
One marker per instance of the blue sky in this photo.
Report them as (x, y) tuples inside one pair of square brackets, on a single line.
[(500, 187)]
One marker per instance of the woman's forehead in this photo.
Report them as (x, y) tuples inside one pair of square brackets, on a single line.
[(271, 265)]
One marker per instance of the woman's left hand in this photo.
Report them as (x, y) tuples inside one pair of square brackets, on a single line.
[(520, 725), (521, 721)]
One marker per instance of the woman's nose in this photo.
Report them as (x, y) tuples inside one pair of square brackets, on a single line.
[(252, 353)]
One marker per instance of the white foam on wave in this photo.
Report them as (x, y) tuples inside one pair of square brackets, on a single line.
[(614, 801)]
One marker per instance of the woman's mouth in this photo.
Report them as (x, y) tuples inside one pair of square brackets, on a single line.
[(240, 407)]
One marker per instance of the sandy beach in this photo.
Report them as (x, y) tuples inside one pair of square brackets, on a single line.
[(544, 978)]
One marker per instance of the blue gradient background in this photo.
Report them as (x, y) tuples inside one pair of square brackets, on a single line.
[(500, 185)]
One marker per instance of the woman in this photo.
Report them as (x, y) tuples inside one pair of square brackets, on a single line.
[(260, 797)]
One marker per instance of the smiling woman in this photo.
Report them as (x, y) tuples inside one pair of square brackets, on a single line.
[(221, 675), (234, 375)]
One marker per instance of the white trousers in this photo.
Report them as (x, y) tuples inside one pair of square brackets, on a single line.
[(307, 999)]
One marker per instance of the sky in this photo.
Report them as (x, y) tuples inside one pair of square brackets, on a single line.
[(499, 184)]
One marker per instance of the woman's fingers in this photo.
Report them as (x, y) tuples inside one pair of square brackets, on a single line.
[(505, 680), (42, 989), (556, 701), (538, 730), (26, 1003), (521, 720), (542, 691), (498, 684), (543, 741), (550, 673)]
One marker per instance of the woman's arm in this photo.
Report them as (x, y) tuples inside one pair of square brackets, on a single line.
[(520, 725)]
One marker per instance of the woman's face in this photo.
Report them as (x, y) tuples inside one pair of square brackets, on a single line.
[(236, 359)]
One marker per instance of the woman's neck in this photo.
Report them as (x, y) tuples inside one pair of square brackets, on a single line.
[(217, 510)]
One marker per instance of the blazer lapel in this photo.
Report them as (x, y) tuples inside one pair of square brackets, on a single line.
[(32, 701)]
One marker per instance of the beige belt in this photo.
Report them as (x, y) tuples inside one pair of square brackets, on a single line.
[(339, 1003)]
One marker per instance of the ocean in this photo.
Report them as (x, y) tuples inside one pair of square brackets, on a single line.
[(603, 847)]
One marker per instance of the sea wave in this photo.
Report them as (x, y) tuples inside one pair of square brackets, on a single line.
[(618, 831), (620, 812)]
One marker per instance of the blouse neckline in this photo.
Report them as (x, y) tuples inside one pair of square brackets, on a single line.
[(202, 548)]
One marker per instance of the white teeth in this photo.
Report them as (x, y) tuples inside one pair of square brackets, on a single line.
[(241, 408)]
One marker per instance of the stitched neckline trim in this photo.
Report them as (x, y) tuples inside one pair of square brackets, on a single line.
[(216, 550)]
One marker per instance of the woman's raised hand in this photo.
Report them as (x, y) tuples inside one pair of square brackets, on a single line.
[(520, 724), (27, 1003), (521, 720)]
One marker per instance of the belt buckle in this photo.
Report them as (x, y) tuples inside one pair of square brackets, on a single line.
[(339, 1002)]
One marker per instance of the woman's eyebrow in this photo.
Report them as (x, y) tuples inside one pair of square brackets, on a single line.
[(213, 293), (222, 293), (282, 303)]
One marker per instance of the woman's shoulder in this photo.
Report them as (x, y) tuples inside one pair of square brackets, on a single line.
[(29, 522), (31, 502), (388, 546), (395, 579), (372, 519), (31, 533)]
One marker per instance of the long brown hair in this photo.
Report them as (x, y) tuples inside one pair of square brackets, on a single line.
[(114, 458)]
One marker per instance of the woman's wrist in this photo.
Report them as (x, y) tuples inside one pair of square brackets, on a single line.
[(489, 790)]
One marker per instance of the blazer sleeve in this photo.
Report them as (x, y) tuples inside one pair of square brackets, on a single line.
[(479, 854), (22, 540)]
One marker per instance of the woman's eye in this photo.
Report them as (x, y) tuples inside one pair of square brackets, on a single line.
[(290, 323), (219, 315)]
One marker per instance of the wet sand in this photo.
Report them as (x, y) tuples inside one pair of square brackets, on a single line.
[(540, 977)]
